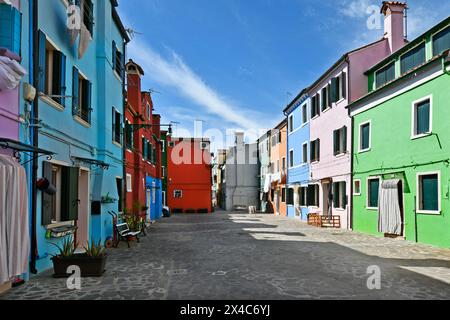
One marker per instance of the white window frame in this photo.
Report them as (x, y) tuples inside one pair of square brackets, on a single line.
[(305, 110), (129, 183), (291, 159), (368, 192), (418, 193), (354, 187), (360, 150), (178, 191), (303, 153), (414, 117)]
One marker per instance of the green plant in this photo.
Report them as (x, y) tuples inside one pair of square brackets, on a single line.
[(66, 249), (137, 207), (95, 250)]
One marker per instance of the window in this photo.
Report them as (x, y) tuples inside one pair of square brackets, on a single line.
[(305, 153), (118, 61), (129, 135), (291, 124), (81, 96), (144, 149), (340, 141), (326, 98), (422, 119), (428, 193), (163, 172), (303, 194), (357, 187), (63, 205), (283, 195), (313, 196), (365, 137), (385, 75), (129, 182), (291, 158), (119, 192), (338, 88), (441, 41), (315, 151), (116, 125), (290, 197), (315, 106), (52, 71), (413, 58), (373, 191), (87, 12), (163, 146), (304, 114), (283, 165), (178, 194), (339, 195), (149, 113), (11, 28)]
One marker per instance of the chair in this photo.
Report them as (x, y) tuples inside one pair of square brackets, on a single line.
[(125, 234)]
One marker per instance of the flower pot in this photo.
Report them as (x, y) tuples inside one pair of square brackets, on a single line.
[(89, 266)]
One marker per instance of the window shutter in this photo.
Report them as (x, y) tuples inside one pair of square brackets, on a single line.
[(336, 195), (10, 28), (113, 130), (75, 88), (423, 117), (89, 101), (318, 149), (69, 190), (62, 79), (344, 139), (344, 85), (335, 142), (334, 90), (42, 67), (47, 199), (344, 194), (114, 58)]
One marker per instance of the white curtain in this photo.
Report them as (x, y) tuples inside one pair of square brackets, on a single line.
[(390, 220), (14, 230)]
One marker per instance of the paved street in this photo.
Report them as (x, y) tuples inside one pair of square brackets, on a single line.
[(239, 256)]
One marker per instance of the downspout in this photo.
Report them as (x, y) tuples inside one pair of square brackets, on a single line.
[(350, 196), (124, 149), (35, 134)]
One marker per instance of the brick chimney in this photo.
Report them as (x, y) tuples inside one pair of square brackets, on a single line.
[(394, 26), (134, 74)]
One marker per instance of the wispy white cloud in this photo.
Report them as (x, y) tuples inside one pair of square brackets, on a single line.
[(355, 8), (175, 73)]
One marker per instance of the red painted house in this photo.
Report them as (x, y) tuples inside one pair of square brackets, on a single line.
[(189, 175), (142, 147)]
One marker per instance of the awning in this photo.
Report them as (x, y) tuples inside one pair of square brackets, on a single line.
[(100, 164)]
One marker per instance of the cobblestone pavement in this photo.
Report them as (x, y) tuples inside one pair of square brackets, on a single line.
[(239, 256)]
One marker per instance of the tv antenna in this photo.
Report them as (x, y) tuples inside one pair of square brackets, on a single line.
[(132, 32)]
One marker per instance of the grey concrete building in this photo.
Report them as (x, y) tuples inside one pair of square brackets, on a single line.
[(241, 175)]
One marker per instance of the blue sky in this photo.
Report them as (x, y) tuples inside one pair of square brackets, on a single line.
[(236, 63)]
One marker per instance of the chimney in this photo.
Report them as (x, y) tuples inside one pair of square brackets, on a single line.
[(394, 25)]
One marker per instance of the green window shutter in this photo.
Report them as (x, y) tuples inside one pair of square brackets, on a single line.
[(430, 193), (47, 199), (334, 90), (365, 136), (75, 88), (413, 58), (423, 117), (42, 67), (335, 142), (69, 194), (441, 41), (344, 85), (344, 199), (324, 99), (344, 139), (336, 195)]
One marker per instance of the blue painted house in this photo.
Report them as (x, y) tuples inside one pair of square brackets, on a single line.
[(298, 145), (80, 83)]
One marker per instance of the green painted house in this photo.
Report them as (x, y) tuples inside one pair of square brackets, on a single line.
[(401, 143)]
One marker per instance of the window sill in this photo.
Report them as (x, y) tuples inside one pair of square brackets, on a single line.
[(117, 144), (82, 122), (341, 155), (365, 150), (304, 125), (117, 76), (52, 103), (340, 209), (326, 110), (357, 194), (315, 117), (372, 209), (430, 213), (59, 225), (420, 136)]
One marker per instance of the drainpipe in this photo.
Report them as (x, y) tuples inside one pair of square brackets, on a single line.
[(124, 149), (350, 196), (35, 133)]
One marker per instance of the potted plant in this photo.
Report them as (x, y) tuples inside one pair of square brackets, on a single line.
[(91, 263)]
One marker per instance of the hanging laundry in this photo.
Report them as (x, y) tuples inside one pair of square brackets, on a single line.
[(11, 73), (14, 233)]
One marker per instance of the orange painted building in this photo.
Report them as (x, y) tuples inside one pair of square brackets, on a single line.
[(278, 197), (189, 184)]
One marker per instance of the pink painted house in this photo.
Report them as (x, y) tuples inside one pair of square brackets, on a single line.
[(9, 99), (331, 125)]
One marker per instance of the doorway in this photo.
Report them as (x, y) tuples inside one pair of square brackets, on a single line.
[(327, 202), (83, 209)]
